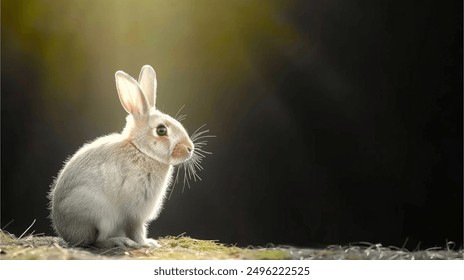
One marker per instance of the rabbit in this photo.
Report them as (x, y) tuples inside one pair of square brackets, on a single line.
[(111, 188)]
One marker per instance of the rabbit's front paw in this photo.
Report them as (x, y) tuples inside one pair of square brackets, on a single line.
[(150, 242), (122, 242)]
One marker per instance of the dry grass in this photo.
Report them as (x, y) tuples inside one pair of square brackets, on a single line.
[(177, 248), (185, 248), (369, 251)]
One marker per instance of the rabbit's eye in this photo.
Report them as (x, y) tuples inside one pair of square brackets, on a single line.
[(161, 130)]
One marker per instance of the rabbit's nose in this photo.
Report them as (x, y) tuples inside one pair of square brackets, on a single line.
[(189, 149)]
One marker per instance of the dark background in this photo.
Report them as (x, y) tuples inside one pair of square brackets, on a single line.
[(336, 121)]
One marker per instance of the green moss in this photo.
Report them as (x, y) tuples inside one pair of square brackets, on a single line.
[(190, 248), (267, 254), (190, 243)]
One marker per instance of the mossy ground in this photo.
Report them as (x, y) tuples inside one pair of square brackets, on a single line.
[(177, 248), (186, 248)]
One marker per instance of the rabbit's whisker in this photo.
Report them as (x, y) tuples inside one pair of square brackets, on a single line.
[(198, 134), (178, 112), (186, 180), (181, 118), (202, 151), (203, 137), (193, 134), (176, 180), (192, 166)]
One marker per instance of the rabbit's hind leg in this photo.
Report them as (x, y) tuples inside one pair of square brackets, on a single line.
[(79, 234)]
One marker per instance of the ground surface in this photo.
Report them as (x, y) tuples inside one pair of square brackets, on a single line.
[(186, 248)]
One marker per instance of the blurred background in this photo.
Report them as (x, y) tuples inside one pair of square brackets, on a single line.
[(336, 121)]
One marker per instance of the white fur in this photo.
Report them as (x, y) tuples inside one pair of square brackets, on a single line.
[(110, 189)]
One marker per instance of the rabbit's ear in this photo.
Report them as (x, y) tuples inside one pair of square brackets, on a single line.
[(130, 95), (147, 81)]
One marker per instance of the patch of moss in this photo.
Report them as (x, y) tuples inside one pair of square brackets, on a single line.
[(190, 248), (191, 243), (266, 254)]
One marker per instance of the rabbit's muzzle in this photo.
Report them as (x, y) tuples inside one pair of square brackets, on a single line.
[(182, 151)]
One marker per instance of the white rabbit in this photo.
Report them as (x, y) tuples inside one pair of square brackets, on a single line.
[(111, 188)]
